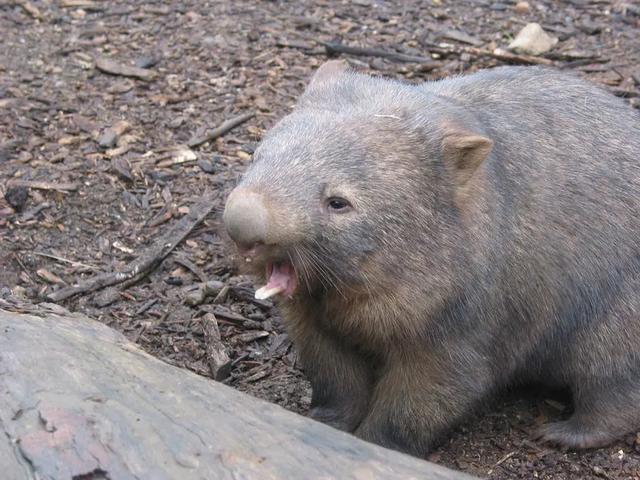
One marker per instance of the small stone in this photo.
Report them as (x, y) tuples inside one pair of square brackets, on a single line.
[(206, 165), (499, 7), (176, 122), (591, 28), (147, 61), (106, 297), (17, 197), (533, 40), (599, 471), (177, 281), (109, 137), (522, 7), (250, 147)]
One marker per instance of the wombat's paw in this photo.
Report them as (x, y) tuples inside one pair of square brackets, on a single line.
[(395, 437), (571, 435), (332, 417)]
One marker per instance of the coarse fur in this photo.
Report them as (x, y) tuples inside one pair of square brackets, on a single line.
[(493, 239)]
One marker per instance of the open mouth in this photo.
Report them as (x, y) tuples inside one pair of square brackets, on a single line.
[(281, 280)]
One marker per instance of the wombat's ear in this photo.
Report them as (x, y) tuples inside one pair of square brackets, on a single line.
[(328, 72), (464, 151)]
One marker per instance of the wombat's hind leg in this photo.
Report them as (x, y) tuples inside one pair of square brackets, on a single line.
[(601, 416), (572, 434)]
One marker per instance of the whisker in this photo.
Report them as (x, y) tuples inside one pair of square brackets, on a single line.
[(312, 265), (319, 270), (303, 266), (336, 281)]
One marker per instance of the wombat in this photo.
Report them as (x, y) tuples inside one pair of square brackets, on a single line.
[(430, 244)]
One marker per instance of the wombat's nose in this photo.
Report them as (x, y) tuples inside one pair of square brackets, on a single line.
[(245, 218)]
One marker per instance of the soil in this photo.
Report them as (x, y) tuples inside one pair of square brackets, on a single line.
[(82, 194)]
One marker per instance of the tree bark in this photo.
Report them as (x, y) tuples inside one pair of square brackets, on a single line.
[(79, 401)]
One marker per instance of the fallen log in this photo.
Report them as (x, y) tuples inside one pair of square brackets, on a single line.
[(79, 401)]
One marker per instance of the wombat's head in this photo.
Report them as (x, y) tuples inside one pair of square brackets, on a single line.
[(356, 189)]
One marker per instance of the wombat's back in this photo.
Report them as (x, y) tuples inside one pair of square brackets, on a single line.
[(547, 112), (564, 229)]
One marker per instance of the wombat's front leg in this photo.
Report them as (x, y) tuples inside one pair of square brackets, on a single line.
[(341, 381), (419, 398)]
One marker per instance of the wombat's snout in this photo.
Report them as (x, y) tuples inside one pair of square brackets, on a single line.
[(245, 218)]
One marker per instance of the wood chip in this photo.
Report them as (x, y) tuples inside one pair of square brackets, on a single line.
[(198, 295), (112, 67), (217, 359), (49, 277), (178, 156), (251, 336), (225, 313), (109, 136), (85, 4), (32, 10), (72, 140), (458, 36)]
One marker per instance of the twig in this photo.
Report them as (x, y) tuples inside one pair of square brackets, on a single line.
[(583, 61), (498, 54), (24, 269), (221, 130), (570, 57), (504, 459), (65, 260), (620, 92), (296, 44), (146, 306), (42, 185), (334, 48), (146, 262), (140, 332), (508, 57)]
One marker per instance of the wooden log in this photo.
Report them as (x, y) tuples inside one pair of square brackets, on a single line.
[(13, 465), (78, 400)]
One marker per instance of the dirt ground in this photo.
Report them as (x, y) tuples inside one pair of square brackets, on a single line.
[(83, 193)]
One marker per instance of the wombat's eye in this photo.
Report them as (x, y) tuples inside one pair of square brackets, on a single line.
[(338, 205)]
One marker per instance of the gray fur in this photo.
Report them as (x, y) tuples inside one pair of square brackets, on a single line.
[(434, 292)]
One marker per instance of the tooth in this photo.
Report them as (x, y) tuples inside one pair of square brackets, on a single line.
[(265, 292)]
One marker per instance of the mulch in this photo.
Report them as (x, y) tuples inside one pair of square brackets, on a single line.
[(123, 126)]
